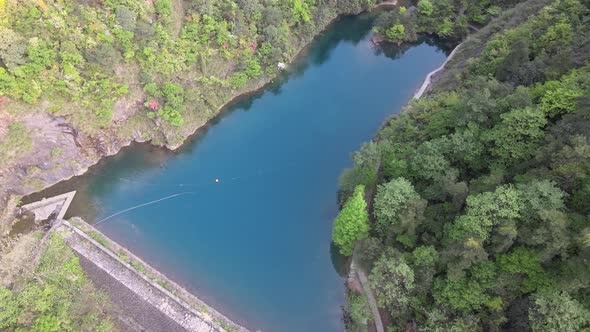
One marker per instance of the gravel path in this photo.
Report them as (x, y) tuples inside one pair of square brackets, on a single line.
[(428, 79), (362, 277)]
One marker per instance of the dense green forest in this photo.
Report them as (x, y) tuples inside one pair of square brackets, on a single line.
[(110, 69), (450, 20), (479, 193), (470, 210), (163, 66)]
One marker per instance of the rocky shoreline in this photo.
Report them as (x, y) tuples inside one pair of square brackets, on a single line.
[(78, 152), (61, 152)]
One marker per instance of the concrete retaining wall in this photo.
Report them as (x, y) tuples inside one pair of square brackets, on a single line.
[(173, 301)]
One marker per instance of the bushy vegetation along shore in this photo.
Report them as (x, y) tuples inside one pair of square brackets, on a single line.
[(89, 54), (480, 217), (55, 296), (80, 79), (450, 20)]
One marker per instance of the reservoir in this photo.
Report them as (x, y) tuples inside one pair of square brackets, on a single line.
[(247, 220)]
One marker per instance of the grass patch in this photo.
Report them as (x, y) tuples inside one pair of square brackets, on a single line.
[(17, 142), (142, 269), (123, 257), (138, 266), (165, 284), (56, 152), (38, 236), (58, 298), (99, 238), (225, 325)]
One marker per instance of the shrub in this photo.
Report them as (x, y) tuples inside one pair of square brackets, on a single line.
[(351, 224)]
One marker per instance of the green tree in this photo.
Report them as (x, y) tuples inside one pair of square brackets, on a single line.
[(518, 135), (173, 94), (425, 7), (12, 48), (524, 262), (425, 256), (486, 210), (58, 298), (368, 252), (366, 162), (466, 148), (539, 196), (393, 282), (126, 18), (556, 36), (499, 154), (557, 311), (396, 32), (461, 294), (351, 224), (358, 308), (9, 310), (429, 162), (558, 97), (163, 7), (445, 28), (439, 321), (300, 11), (398, 205)]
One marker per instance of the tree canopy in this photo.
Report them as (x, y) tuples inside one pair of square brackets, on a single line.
[(480, 217), (351, 224)]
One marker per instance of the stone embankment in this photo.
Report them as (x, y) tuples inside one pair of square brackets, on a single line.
[(150, 300), (43, 209), (428, 81)]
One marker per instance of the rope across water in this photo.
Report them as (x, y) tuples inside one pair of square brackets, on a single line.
[(258, 173), (144, 204)]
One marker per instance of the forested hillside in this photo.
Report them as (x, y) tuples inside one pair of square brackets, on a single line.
[(91, 52), (479, 192), (80, 79), (451, 20)]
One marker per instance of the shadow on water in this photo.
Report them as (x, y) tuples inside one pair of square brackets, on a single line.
[(395, 51), (339, 261), (351, 29), (344, 29), (102, 177)]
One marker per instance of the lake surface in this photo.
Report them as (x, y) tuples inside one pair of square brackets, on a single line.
[(256, 245)]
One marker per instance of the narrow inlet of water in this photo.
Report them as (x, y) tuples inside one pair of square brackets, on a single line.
[(256, 244)]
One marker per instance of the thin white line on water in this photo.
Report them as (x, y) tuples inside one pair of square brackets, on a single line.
[(142, 205)]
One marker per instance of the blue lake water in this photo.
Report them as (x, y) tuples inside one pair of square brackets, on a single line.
[(256, 245)]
